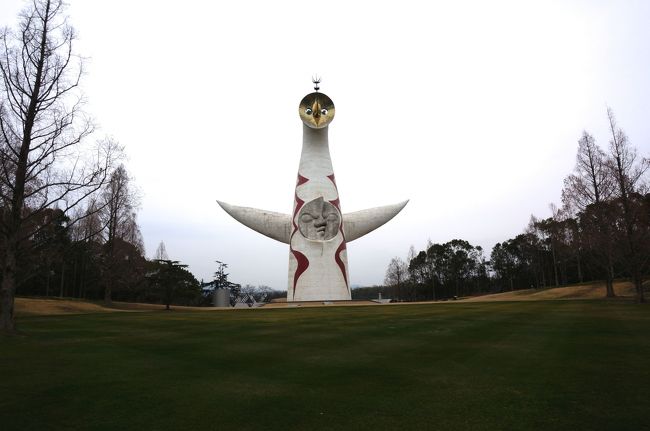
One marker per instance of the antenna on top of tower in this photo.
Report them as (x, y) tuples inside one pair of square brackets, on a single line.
[(316, 80)]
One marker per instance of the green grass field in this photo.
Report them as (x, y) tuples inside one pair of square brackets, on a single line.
[(555, 365)]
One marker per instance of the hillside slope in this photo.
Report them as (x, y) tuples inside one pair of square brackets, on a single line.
[(55, 306), (583, 291)]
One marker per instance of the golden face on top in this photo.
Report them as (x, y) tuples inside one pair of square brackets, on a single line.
[(316, 110)]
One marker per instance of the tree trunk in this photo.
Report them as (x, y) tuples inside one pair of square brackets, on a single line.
[(7, 292), (47, 282), (74, 278), (580, 279), (638, 284), (62, 287), (107, 292), (557, 283), (609, 286), (609, 282), (82, 274)]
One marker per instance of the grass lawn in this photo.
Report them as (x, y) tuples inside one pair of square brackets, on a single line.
[(548, 365)]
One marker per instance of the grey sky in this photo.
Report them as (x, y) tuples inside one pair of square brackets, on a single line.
[(470, 109)]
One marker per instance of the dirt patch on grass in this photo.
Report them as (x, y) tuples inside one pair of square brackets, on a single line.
[(586, 291), (135, 306), (32, 306), (46, 307)]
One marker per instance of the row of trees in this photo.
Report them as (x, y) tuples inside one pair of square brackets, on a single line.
[(455, 268), (92, 249), (49, 166), (601, 232), (67, 208)]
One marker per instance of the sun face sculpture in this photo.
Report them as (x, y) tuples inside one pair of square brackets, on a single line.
[(316, 110), (319, 220)]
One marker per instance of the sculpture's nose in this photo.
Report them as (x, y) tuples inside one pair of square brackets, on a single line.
[(316, 112), (320, 222)]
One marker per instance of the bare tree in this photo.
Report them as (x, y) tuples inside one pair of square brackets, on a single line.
[(591, 181), (44, 161), (591, 186), (411, 254), (396, 275), (88, 226), (628, 172), (161, 252), (118, 201), (132, 234)]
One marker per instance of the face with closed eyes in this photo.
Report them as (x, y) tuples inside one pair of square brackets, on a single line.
[(319, 220), (316, 110)]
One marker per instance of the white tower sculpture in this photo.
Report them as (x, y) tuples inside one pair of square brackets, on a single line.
[(317, 231)]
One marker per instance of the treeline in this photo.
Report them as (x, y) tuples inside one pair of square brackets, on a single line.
[(67, 213), (601, 232), (97, 253)]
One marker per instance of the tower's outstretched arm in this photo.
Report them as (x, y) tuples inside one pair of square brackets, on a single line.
[(359, 223), (278, 225), (269, 223)]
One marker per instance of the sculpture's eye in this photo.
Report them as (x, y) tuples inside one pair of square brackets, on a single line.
[(306, 218), (323, 111), (308, 111)]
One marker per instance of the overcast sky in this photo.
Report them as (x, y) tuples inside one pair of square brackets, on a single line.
[(471, 109)]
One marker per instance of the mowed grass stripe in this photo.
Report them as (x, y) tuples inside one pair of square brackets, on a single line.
[(539, 365)]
